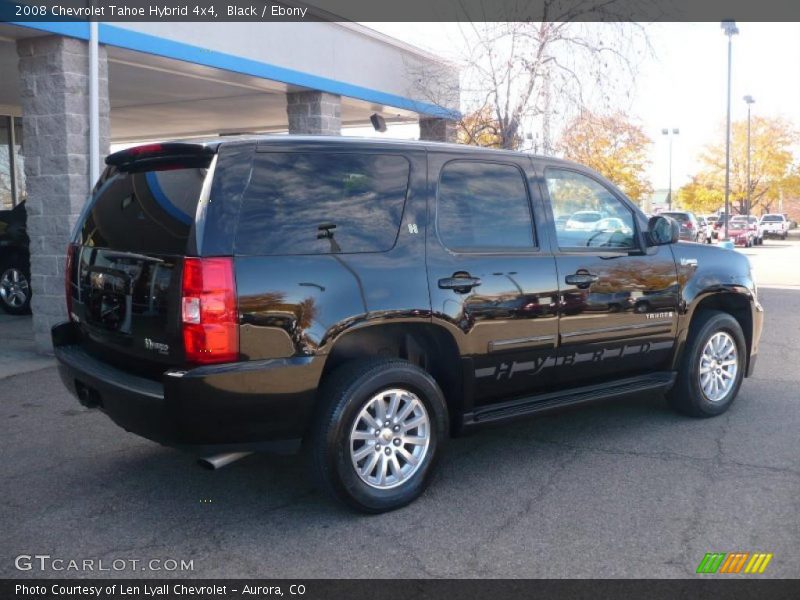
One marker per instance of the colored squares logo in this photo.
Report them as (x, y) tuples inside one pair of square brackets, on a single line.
[(734, 562)]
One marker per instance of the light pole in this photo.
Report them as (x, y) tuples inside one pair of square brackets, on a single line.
[(750, 100), (675, 132), (730, 29)]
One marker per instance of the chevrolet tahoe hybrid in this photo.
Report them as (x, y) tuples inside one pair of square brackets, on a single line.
[(369, 299)]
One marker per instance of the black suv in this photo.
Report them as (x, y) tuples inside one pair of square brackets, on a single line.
[(371, 298)]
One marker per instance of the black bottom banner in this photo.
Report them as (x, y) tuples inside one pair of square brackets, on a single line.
[(389, 589)]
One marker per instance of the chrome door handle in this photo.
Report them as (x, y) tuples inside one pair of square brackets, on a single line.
[(581, 279), (459, 284)]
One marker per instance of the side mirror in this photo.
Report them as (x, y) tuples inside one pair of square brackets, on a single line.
[(663, 230)]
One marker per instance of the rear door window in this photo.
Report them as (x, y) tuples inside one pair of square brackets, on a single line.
[(483, 206), (322, 203), (148, 211)]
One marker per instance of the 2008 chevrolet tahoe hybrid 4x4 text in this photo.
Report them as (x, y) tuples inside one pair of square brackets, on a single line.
[(372, 298)]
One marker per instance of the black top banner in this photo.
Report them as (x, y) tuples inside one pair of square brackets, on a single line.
[(399, 11)]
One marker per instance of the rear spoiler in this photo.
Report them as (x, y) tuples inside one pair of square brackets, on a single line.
[(161, 152)]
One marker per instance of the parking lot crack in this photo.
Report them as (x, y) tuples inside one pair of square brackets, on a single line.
[(474, 564)]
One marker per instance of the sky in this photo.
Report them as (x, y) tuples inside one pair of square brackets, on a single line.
[(683, 85)]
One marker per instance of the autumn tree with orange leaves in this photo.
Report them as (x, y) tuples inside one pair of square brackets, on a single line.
[(614, 146), (773, 171)]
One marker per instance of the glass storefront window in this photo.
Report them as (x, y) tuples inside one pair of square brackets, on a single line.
[(6, 194), (19, 171), (11, 178)]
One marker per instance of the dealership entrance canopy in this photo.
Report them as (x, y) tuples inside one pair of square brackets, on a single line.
[(180, 80)]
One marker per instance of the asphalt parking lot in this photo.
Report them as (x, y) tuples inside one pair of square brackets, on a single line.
[(624, 489)]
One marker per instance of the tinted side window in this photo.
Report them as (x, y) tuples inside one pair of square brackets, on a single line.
[(320, 203), (586, 213), (482, 206)]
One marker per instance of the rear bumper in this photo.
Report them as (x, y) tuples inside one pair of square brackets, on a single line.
[(256, 405)]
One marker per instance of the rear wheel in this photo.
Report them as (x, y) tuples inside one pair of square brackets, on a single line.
[(712, 366), (15, 288), (379, 433)]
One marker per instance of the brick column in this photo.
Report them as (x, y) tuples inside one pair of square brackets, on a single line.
[(315, 113), (54, 91), (437, 130)]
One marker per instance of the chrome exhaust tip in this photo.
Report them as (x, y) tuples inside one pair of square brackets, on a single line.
[(217, 461)]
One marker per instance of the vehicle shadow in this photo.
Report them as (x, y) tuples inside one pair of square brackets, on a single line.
[(245, 492)]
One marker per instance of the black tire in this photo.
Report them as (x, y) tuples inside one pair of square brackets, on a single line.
[(687, 396), (15, 271), (347, 390)]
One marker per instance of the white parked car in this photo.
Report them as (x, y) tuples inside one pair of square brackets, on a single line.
[(612, 225), (583, 220), (775, 224)]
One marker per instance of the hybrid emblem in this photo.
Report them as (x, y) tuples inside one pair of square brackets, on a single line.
[(156, 346), (507, 370)]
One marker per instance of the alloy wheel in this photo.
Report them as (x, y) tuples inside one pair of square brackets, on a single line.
[(389, 439), (14, 288), (719, 364)]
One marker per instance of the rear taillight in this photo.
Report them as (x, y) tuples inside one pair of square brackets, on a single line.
[(208, 310), (71, 249)]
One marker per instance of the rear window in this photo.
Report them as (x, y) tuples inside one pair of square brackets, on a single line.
[(150, 211), (322, 203), (772, 218), (586, 217), (677, 216)]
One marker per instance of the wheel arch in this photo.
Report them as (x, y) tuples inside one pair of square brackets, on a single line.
[(424, 344), (737, 302)]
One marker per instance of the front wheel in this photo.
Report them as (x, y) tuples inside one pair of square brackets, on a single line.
[(379, 433), (712, 366)]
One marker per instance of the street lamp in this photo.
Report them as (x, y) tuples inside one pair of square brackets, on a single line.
[(675, 132), (750, 100), (730, 29)]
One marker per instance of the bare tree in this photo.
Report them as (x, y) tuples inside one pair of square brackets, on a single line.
[(514, 74)]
